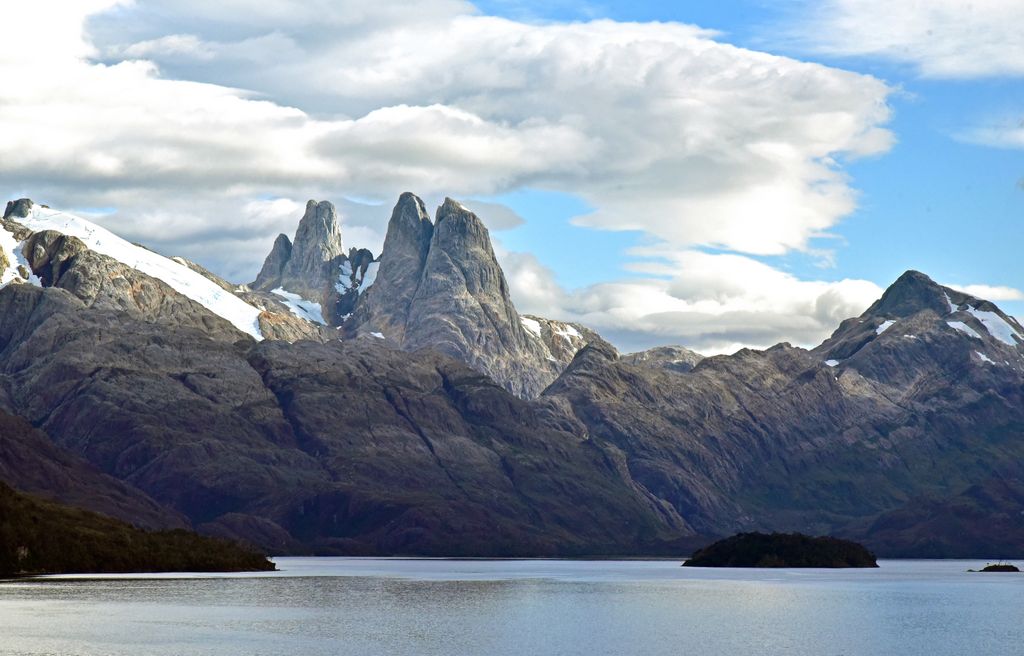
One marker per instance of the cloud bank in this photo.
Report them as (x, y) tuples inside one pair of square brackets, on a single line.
[(200, 128)]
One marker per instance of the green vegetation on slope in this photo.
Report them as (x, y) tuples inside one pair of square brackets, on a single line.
[(782, 550), (41, 537)]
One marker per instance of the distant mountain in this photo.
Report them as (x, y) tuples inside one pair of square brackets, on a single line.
[(390, 428)]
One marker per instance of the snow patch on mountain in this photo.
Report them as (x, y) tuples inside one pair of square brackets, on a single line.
[(370, 275), (17, 264), (885, 326), (178, 277), (566, 332), (300, 307), (531, 325), (348, 280), (964, 328), (997, 326), (984, 358)]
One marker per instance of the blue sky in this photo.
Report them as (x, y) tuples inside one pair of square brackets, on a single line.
[(935, 202)]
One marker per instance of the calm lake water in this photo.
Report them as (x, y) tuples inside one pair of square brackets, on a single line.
[(417, 607)]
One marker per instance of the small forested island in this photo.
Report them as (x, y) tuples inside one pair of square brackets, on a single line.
[(43, 537), (782, 550), (997, 567)]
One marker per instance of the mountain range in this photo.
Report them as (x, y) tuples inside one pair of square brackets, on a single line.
[(351, 403)]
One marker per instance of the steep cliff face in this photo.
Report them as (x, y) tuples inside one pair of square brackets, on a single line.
[(386, 305), (308, 270), (270, 276), (314, 276), (440, 287)]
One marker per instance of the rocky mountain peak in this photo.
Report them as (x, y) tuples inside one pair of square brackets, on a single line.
[(911, 293), (308, 264), (273, 267), (440, 287), (317, 243), (384, 307), (458, 229), (462, 305)]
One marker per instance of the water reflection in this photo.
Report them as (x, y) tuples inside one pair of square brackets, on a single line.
[(373, 606)]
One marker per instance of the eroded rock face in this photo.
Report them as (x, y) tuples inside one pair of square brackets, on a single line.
[(440, 287), (272, 272), (317, 267), (307, 266), (789, 439), (895, 430), (386, 304), (99, 281), (317, 243)]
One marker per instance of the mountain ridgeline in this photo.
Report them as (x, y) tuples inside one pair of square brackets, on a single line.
[(347, 403)]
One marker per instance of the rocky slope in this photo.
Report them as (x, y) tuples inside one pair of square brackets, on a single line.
[(413, 443), (672, 358), (31, 462), (440, 287), (898, 404)]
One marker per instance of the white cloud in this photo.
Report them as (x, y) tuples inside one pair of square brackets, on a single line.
[(715, 303), (658, 126), (991, 292), (941, 38), (1003, 133)]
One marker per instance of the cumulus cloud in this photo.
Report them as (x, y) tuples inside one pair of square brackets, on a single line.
[(991, 292), (187, 116), (714, 303), (658, 126), (941, 38)]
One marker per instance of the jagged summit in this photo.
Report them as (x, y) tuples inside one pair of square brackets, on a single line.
[(440, 287), (911, 293), (916, 308), (304, 265), (273, 267), (384, 309)]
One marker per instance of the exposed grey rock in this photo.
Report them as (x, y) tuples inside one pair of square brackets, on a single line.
[(897, 429), (18, 208), (317, 243), (277, 321), (561, 340), (356, 272), (440, 287), (671, 358), (273, 267), (343, 447), (100, 281), (385, 306)]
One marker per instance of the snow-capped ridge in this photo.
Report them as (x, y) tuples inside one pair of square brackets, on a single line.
[(175, 275)]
